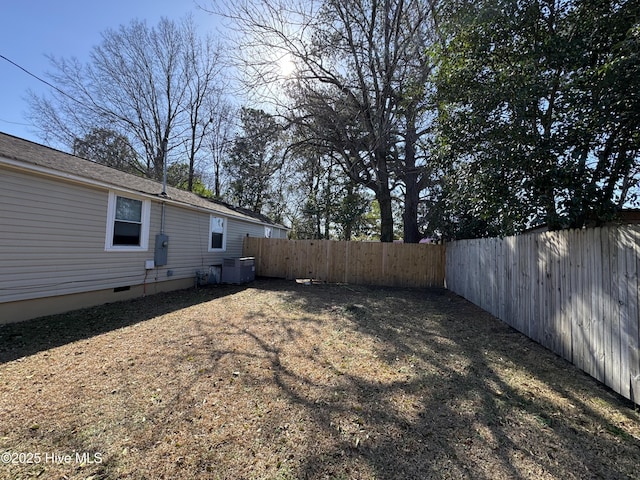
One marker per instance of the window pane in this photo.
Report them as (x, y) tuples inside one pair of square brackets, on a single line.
[(126, 233), (217, 224), (216, 240), (128, 209)]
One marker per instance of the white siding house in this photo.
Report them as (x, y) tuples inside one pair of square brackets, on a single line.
[(74, 233)]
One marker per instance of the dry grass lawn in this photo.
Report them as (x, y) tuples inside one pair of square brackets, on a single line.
[(281, 380)]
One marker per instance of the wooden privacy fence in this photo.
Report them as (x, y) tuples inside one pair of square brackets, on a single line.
[(574, 291), (365, 263)]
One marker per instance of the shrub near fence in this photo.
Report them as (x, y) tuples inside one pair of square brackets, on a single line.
[(574, 291), (365, 263)]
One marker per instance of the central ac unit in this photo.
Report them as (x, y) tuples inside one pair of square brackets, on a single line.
[(238, 270)]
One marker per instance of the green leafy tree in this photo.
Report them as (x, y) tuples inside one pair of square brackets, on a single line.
[(351, 212), (179, 175), (255, 158), (368, 228), (538, 118), (109, 148), (330, 205), (315, 174)]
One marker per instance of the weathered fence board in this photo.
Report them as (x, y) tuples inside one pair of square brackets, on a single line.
[(367, 263), (576, 292)]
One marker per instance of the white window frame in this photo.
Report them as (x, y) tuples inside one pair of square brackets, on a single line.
[(212, 218), (144, 227), (268, 232)]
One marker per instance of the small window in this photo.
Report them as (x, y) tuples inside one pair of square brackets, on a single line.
[(127, 223), (218, 237), (127, 227), (267, 232)]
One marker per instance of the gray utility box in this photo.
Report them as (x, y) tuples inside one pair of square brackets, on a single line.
[(162, 250), (238, 270)]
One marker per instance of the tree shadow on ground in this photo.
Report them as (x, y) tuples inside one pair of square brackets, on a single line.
[(471, 398), (288, 381), (26, 338)]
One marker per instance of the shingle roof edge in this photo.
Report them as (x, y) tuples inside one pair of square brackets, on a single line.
[(36, 155)]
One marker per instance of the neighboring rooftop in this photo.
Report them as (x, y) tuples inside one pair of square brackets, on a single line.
[(32, 153)]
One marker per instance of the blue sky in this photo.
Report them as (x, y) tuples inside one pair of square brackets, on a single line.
[(31, 29)]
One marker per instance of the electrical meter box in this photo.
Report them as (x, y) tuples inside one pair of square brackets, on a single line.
[(162, 250)]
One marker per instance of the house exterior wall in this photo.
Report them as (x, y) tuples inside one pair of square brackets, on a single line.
[(279, 233), (51, 238), (52, 247)]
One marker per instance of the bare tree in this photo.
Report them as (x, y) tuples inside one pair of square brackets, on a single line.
[(219, 139), (149, 84), (202, 74), (359, 88)]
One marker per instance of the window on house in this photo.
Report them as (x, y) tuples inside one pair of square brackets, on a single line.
[(127, 223), (267, 232), (218, 237)]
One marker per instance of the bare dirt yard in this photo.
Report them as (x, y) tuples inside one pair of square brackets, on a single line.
[(281, 380)]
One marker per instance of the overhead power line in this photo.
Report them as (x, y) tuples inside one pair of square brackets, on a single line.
[(95, 107), (15, 123), (40, 79)]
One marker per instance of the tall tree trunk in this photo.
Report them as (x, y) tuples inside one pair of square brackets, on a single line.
[(386, 215), (348, 227), (383, 195), (411, 233), (192, 158), (348, 232), (217, 180)]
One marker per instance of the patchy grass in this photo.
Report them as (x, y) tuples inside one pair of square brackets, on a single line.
[(286, 381)]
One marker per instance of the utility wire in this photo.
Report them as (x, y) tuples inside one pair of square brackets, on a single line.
[(95, 107), (15, 123), (40, 79)]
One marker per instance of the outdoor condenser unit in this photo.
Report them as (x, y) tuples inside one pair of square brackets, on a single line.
[(238, 270), (210, 277)]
